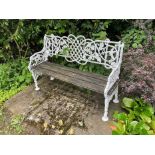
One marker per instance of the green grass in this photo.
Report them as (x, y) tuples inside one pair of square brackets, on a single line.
[(16, 124)]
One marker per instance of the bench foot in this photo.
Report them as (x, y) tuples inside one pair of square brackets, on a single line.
[(35, 77), (105, 118), (51, 78), (37, 88), (116, 100)]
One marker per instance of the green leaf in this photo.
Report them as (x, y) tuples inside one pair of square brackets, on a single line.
[(153, 124), (134, 45), (128, 102), (120, 116), (145, 118), (133, 123), (150, 132), (149, 110), (101, 35), (140, 46), (114, 132)]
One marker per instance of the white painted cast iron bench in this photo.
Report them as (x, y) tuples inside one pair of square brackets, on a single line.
[(81, 50)]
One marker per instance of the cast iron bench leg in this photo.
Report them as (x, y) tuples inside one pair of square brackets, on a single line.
[(116, 96), (35, 77), (106, 106)]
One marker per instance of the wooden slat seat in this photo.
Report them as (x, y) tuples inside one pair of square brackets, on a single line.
[(92, 81)]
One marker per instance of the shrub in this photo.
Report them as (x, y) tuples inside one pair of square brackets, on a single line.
[(22, 38), (14, 76), (134, 38), (138, 75), (140, 119)]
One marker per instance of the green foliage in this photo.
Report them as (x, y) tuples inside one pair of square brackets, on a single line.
[(99, 69), (21, 38), (16, 124), (14, 76), (140, 119), (134, 38), (100, 36), (6, 94)]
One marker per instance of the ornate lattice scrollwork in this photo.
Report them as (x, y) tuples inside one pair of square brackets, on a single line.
[(82, 50), (38, 58)]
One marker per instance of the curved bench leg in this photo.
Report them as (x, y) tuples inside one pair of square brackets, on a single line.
[(116, 96), (35, 77), (106, 106)]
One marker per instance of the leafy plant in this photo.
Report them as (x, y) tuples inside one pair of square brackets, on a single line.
[(6, 94), (134, 38), (99, 69), (16, 124), (14, 76), (140, 119), (21, 38), (137, 75)]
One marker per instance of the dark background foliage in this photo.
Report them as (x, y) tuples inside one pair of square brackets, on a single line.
[(21, 38)]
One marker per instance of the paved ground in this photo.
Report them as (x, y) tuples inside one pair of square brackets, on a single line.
[(61, 108)]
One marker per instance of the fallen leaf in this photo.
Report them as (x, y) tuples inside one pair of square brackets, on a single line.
[(61, 131), (80, 123), (53, 126), (60, 122), (45, 125), (71, 131)]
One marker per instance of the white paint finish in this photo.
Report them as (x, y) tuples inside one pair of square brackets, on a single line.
[(82, 50)]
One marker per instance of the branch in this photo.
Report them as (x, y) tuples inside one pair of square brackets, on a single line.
[(148, 21)]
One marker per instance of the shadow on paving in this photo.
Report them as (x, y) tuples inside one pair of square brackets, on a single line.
[(61, 108)]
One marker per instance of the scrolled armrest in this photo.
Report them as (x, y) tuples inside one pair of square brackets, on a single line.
[(38, 58)]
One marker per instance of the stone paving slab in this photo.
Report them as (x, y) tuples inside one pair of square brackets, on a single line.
[(59, 107)]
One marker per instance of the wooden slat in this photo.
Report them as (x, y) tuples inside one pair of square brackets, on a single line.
[(73, 76), (90, 77), (76, 76), (96, 76)]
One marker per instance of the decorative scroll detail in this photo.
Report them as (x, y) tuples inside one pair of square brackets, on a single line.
[(38, 58), (82, 50)]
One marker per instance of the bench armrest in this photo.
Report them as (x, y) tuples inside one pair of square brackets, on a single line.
[(37, 58)]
